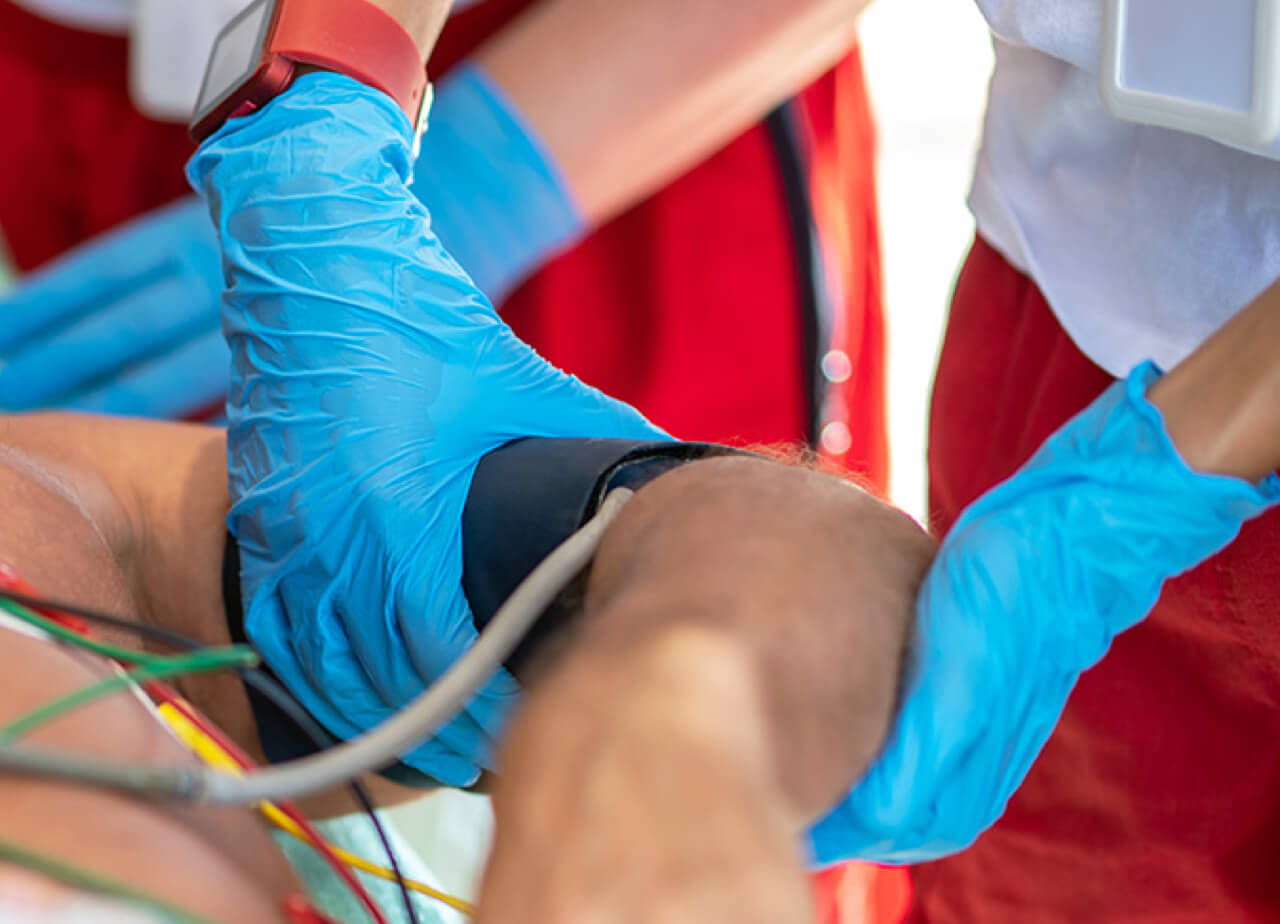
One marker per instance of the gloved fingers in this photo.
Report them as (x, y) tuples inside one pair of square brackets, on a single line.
[(966, 732), (188, 381), (369, 378), (439, 761), (1029, 589), (314, 658), (101, 271), (363, 668), (474, 732), (459, 750), (1007, 621), (491, 709), (154, 318), (386, 653)]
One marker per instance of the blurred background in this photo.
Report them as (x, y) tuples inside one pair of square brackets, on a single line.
[(929, 123)]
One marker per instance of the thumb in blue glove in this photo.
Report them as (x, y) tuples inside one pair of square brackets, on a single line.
[(1028, 591), (369, 378), (125, 324)]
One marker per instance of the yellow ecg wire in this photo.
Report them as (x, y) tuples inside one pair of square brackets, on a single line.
[(213, 754)]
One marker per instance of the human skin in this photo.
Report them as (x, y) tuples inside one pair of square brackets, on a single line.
[(219, 863), (149, 503), (740, 667), (637, 93), (784, 712), (422, 19), (735, 669), (1222, 405), (158, 493)]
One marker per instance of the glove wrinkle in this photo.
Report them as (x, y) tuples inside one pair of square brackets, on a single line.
[(1029, 590), (369, 378)]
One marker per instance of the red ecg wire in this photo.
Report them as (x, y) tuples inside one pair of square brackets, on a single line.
[(296, 907), (166, 694)]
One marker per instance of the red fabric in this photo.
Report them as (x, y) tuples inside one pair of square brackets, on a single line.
[(861, 894), (1158, 797), (686, 306), (76, 157), (842, 140)]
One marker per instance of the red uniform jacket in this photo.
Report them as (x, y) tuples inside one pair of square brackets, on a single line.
[(687, 306)]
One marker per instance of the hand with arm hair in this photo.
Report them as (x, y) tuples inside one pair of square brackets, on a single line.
[(746, 624), (737, 664)]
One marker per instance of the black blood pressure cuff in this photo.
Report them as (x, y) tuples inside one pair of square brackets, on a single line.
[(530, 496), (526, 498)]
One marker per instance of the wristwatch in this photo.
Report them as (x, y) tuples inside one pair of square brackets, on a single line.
[(256, 56)]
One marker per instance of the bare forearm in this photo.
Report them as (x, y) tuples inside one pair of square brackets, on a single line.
[(705, 574), (628, 95), (422, 19), (1222, 405)]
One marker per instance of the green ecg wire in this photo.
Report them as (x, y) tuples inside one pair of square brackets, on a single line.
[(215, 659), (151, 667), (62, 633), (86, 881)]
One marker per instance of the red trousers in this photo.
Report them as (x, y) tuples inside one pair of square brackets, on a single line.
[(1158, 797)]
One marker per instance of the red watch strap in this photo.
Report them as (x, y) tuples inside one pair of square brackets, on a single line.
[(335, 34)]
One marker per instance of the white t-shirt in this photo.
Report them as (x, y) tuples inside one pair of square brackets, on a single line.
[(1142, 239)]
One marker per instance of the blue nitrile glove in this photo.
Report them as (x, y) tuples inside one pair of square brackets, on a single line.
[(496, 197), (1028, 590), (128, 323), (369, 378)]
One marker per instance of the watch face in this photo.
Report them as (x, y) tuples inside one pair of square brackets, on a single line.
[(236, 55)]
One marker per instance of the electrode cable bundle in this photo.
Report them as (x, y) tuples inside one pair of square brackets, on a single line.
[(369, 751)]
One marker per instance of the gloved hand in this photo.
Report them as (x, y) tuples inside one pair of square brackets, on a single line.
[(129, 323), (369, 376), (1028, 590)]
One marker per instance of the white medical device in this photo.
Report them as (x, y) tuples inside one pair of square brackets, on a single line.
[(1211, 67)]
